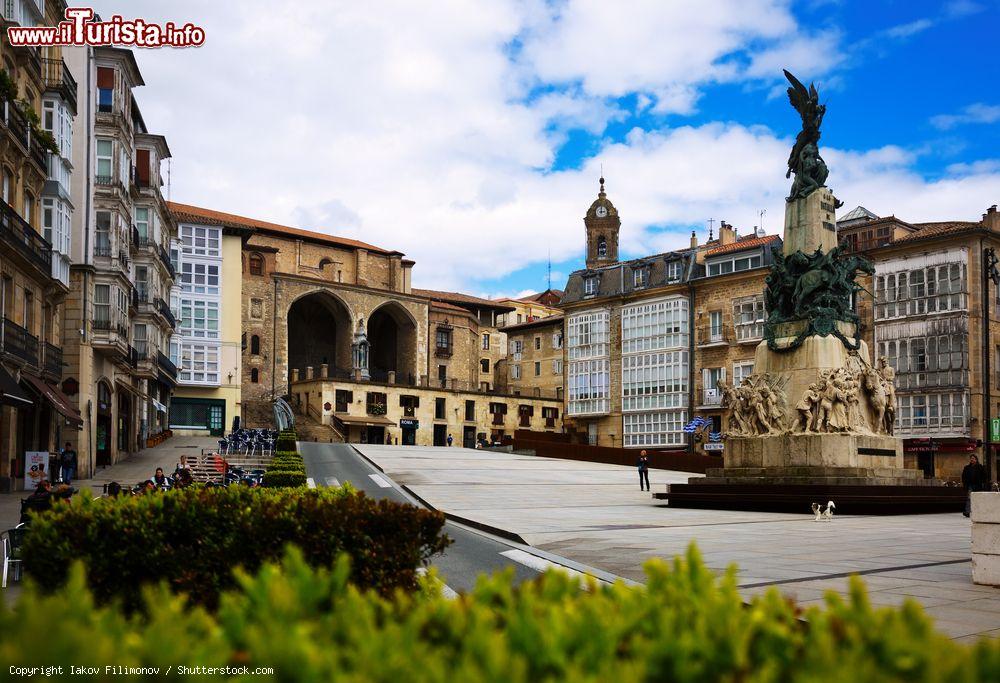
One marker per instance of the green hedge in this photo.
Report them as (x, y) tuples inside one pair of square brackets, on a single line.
[(286, 441), (685, 626), (194, 538), (283, 479)]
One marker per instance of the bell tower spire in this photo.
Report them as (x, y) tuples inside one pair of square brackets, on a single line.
[(602, 225)]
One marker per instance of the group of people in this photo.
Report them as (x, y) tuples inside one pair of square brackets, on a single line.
[(181, 478)]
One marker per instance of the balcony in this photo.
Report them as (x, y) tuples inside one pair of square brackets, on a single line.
[(33, 59), (19, 236), (166, 365), (165, 259), (163, 309), (749, 333), (52, 364), (20, 343), (713, 335), (15, 121), (443, 351), (58, 78), (711, 397)]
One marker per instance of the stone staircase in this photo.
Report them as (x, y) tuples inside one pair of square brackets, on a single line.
[(309, 428)]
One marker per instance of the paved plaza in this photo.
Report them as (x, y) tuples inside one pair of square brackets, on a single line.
[(595, 514)]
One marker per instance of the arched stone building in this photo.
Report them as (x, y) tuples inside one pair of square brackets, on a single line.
[(327, 319)]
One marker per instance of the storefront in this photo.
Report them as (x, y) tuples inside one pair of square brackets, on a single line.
[(408, 426), (198, 415), (939, 458)]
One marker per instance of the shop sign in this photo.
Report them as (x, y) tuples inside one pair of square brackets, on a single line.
[(995, 429), (715, 446), (408, 423), (36, 464)]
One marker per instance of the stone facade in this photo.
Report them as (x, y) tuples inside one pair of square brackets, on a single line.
[(536, 358), (367, 411), (931, 333)]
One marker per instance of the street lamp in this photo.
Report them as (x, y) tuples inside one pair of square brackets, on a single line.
[(990, 272)]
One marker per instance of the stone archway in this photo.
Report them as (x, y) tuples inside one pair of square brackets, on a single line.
[(392, 333), (319, 332)]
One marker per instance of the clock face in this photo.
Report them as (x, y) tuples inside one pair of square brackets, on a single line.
[(601, 212)]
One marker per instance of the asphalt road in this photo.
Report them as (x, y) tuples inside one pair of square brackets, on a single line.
[(472, 552)]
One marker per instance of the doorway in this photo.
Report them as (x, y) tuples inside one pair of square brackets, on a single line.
[(440, 435), (103, 426), (375, 434), (925, 462), (469, 437), (409, 436)]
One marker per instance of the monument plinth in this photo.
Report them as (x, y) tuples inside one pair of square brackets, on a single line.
[(814, 422)]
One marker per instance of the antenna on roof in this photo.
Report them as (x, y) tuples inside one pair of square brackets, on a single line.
[(760, 221), (168, 178), (711, 225), (549, 276)]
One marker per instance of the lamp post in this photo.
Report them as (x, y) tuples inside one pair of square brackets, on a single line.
[(990, 272)]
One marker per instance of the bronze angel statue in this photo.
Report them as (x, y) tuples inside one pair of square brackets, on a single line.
[(804, 161)]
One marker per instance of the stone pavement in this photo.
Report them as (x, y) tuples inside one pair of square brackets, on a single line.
[(595, 514), (131, 471)]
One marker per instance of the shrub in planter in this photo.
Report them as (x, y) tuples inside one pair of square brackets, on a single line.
[(685, 625), (286, 441), (194, 538)]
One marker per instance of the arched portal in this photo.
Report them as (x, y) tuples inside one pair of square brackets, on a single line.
[(319, 331), (393, 338)]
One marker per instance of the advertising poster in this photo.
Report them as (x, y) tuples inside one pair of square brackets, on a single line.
[(36, 465)]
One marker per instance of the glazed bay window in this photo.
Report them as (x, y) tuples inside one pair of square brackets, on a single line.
[(200, 363), (200, 241), (589, 386), (734, 263), (442, 341), (665, 428), (199, 278), (921, 413), (199, 319), (654, 380), (749, 315), (655, 326), (930, 289), (105, 161), (102, 234)]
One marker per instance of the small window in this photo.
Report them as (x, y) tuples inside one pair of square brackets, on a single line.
[(640, 277), (439, 409), (590, 286), (256, 264), (484, 365), (255, 345), (255, 375), (486, 341), (538, 368), (538, 343), (470, 411)]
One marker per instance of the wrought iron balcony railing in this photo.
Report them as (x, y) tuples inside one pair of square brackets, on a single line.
[(58, 77), (53, 361), (20, 236), (18, 342), (166, 364)]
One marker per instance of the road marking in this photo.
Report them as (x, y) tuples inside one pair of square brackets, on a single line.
[(332, 482), (310, 482), (446, 590), (539, 564), (380, 480)]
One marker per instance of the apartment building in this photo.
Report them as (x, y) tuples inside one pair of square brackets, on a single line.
[(209, 343), (536, 357), (118, 321), (927, 319), (530, 307), (36, 117)]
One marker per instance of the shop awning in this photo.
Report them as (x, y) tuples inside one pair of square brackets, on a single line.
[(159, 406), (10, 393), (365, 420), (60, 401)]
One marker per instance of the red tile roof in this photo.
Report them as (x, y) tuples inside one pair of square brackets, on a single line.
[(537, 322), (740, 245), (197, 214), (460, 299), (927, 230)]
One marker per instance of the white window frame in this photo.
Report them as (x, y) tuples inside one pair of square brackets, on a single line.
[(108, 158)]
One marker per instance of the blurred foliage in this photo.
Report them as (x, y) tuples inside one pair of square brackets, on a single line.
[(312, 624)]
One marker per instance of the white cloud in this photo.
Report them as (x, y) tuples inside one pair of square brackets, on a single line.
[(431, 128), (909, 29), (973, 113)]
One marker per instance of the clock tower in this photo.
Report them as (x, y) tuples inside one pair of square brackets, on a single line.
[(602, 224)]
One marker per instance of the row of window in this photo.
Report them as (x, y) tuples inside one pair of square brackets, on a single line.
[(515, 370), (932, 289), (927, 354), (919, 413), (640, 276)]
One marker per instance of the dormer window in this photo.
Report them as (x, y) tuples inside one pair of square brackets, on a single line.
[(673, 271), (640, 277), (602, 247), (590, 285)]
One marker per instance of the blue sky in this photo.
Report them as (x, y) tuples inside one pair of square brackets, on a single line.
[(470, 134), (907, 64)]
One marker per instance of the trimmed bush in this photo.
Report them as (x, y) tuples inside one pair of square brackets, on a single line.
[(283, 478), (286, 441), (685, 625), (194, 538)]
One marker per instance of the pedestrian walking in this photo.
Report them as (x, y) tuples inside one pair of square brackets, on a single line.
[(68, 462), (973, 479), (643, 466), (450, 440)]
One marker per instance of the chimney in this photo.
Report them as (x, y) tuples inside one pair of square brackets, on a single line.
[(726, 233), (694, 240), (991, 219)]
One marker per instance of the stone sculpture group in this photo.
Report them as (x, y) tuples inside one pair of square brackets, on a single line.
[(856, 399)]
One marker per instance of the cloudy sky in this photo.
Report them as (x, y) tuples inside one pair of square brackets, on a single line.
[(470, 134)]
